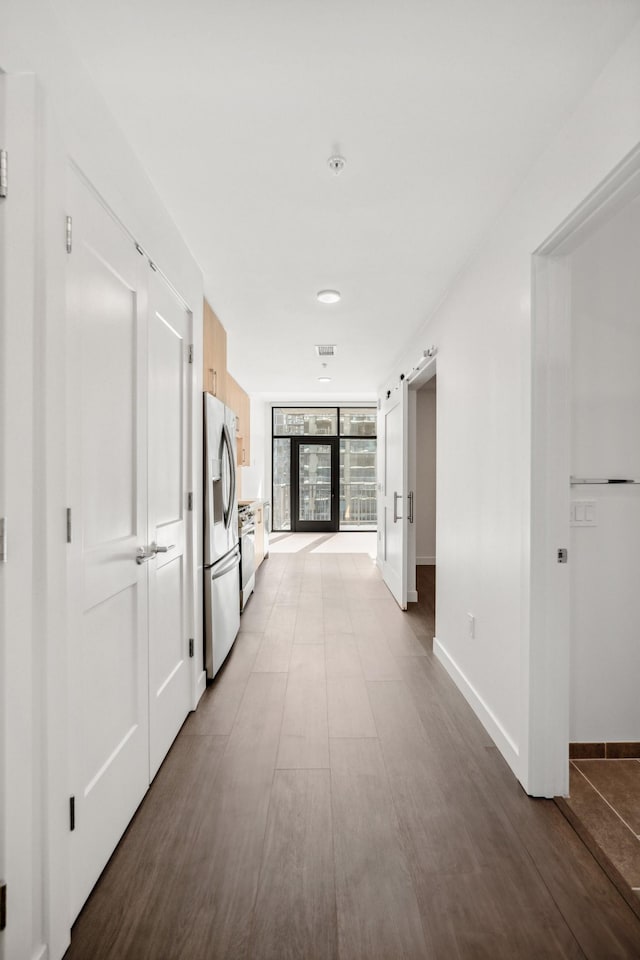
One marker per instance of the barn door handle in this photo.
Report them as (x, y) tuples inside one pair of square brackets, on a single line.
[(411, 506)]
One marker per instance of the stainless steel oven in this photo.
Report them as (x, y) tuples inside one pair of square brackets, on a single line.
[(247, 530)]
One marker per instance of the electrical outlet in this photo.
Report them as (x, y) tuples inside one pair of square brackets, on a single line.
[(472, 626)]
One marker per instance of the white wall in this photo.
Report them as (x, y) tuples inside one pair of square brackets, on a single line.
[(605, 559), (482, 331), (72, 122), (425, 490)]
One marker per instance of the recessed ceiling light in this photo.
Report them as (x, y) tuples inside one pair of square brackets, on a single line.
[(328, 296), (324, 379)]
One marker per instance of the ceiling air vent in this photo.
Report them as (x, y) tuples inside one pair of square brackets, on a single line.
[(326, 349)]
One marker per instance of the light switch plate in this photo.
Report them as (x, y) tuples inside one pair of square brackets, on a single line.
[(583, 513)]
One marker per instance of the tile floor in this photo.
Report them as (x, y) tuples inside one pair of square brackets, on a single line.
[(604, 806)]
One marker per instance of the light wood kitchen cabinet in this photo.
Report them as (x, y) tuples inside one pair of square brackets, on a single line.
[(239, 402), (214, 376)]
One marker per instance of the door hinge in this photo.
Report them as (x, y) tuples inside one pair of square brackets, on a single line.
[(4, 182), (69, 234), (563, 555), (189, 501), (3, 539), (190, 353), (72, 813), (68, 524), (3, 906), (191, 644), (153, 266), (139, 249)]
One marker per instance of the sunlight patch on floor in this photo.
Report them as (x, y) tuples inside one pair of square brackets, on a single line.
[(355, 542)]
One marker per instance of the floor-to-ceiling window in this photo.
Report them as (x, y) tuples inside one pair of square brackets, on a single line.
[(324, 468)]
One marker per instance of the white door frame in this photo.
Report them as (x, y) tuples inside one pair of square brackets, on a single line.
[(20, 644), (416, 381), (546, 664)]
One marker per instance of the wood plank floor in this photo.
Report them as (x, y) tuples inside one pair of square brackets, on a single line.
[(334, 797)]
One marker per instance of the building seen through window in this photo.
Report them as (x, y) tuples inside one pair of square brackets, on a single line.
[(324, 468)]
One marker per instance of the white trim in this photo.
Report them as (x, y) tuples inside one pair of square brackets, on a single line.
[(201, 686), (426, 561), (412, 596), (489, 721), (22, 640), (422, 374)]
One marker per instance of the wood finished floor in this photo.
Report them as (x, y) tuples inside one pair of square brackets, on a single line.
[(334, 797)]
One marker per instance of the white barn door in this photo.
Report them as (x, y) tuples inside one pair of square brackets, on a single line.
[(109, 736), (392, 434), (168, 418)]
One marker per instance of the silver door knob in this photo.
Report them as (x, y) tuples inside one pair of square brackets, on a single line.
[(145, 554)]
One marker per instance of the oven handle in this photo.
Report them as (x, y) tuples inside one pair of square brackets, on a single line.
[(234, 561)]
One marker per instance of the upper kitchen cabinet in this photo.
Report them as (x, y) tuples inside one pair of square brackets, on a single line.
[(214, 377), (239, 402)]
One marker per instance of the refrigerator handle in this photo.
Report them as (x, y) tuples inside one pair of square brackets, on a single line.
[(226, 568), (228, 508)]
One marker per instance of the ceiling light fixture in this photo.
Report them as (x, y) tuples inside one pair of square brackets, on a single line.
[(336, 164), (328, 296), (324, 379)]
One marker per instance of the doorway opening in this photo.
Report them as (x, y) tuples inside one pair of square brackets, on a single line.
[(422, 409), (586, 510)]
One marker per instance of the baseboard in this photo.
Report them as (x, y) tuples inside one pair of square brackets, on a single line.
[(425, 561), (201, 686), (496, 731)]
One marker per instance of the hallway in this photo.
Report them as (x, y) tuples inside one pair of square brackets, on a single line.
[(334, 797)]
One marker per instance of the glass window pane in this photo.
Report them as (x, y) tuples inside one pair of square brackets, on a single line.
[(358, 421), (305, 421), (358, 484), (314, 473), (281, 518)]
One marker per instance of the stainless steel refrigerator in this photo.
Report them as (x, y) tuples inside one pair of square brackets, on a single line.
[(221, 544)]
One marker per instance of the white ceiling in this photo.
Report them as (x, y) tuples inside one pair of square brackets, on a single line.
[(438, 106)]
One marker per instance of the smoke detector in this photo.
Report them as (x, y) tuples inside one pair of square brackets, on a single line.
[(326, 349), (336, 164)]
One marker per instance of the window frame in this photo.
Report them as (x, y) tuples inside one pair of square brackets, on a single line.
[(337, 437)]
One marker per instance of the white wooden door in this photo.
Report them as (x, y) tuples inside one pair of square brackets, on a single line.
[(109, 715), (394, 513), (168, 418)]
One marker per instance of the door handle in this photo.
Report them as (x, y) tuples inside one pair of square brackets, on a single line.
[(147, 553), (411, 506), (396, 515)]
